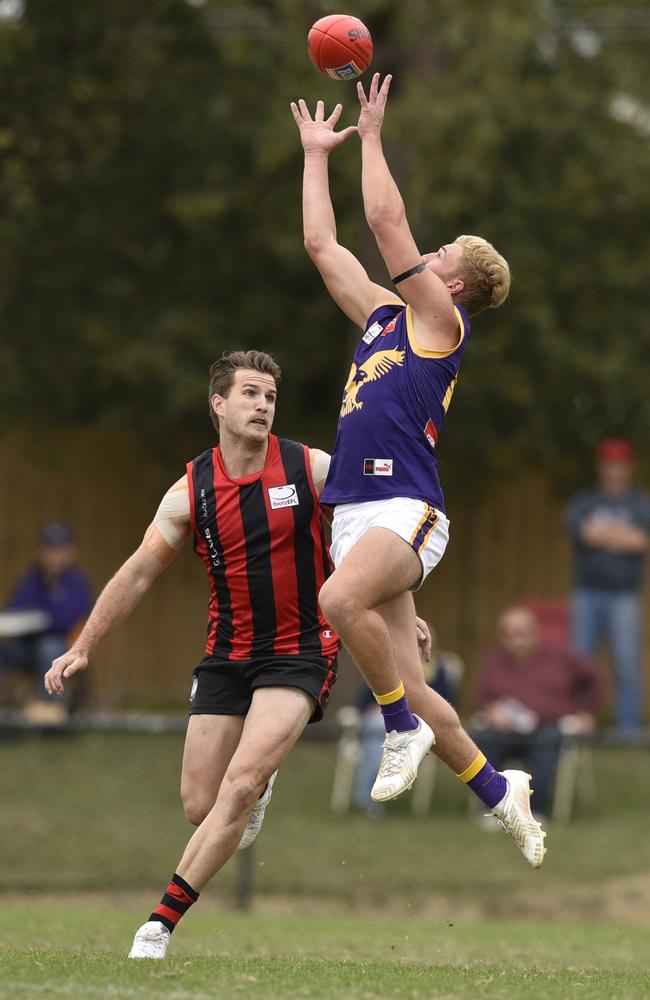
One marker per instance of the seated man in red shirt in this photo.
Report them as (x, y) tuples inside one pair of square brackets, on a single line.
[(529, 693)]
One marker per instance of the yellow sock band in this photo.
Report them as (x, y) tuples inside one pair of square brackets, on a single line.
[(473, 769), (388, 699)]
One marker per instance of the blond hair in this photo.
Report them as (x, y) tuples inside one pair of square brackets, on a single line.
[(485, 273)]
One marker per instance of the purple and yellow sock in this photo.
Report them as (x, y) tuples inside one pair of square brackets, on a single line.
[(488, 784), (396, 712)]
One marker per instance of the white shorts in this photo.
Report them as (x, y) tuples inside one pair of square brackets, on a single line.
[(425, 528)]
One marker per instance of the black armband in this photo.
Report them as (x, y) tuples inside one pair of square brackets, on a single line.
[(407, 274)]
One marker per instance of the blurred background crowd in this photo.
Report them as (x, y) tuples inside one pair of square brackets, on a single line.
[(151, 192)]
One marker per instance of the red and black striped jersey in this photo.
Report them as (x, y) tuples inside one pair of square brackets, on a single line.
[(262, 541)]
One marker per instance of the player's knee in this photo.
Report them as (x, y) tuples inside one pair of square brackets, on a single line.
[(241, 793), (338, 606), (196, 808)]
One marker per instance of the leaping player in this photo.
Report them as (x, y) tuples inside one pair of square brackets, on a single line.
[(390, 528)]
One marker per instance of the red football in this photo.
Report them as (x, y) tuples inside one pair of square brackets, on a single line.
[(340, 46)]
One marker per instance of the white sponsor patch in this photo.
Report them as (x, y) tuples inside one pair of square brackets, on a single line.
[(372, 333), (283, 496), (377, 466)]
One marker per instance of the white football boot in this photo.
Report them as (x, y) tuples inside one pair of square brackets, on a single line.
[(403, 753), (150, 940), (256, 818), (514, 815)]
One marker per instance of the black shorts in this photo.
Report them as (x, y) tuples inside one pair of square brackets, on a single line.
[(225, 687)]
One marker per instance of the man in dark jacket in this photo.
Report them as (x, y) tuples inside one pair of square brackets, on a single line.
[(609, 526)]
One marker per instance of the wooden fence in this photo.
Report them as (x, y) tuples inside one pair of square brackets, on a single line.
[(510, 545)]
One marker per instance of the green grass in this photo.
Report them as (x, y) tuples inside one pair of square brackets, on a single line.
[(430, 909), (100, 812), (78, 951)]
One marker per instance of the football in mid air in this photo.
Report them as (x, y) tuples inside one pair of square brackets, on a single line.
[(340, 46)]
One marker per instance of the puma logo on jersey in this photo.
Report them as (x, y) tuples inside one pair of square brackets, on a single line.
[(377, 466)]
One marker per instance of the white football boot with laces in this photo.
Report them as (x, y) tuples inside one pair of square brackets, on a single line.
[(514, 815), (256, 818), (402, 756), (150, 940)]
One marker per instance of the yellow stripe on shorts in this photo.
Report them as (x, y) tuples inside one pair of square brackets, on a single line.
[(421, 523)]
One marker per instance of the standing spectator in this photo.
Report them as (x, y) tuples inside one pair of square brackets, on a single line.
[(529, 693), (609, 526), (56, 586)]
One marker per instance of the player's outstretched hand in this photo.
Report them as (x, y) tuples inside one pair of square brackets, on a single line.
[(64, 666), (318, 133), (373, 106), (424, 638)]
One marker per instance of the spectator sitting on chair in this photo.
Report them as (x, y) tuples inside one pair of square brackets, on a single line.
[(529, 695), (56, 586), (443, 671), (610, 528)]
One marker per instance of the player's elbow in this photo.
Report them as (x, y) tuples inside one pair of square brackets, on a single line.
[(317, 246), (384, 219)]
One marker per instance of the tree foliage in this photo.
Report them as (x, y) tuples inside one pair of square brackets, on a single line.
[(151, 189)]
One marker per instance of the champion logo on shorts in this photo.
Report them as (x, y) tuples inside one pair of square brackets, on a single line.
[(283, 496), (195, 684), (377, 466)]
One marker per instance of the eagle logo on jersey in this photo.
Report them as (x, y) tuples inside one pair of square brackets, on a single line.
[(374, 368)]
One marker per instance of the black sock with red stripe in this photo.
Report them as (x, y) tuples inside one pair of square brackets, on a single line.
[(179, 896)]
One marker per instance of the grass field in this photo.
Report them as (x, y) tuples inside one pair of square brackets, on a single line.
[(78, 951), (411, 908)]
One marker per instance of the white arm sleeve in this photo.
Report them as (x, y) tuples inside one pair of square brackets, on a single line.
[(173, 516), (320, 464)]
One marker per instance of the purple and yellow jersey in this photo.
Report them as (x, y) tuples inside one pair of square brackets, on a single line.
[(394, 404)]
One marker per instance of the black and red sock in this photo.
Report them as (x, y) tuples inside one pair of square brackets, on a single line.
[(179, 896)]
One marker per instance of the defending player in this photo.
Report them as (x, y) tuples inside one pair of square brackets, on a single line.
[(389, 528), (252, 505)]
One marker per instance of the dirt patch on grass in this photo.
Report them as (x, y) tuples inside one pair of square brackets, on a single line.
[(619, 900), (624, 900)]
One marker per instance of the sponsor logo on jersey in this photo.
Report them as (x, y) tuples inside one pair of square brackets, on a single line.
[(283, 496), (212, 550), (327, 633), (391, 326), (377, 466), (431, 434), (371, 333)]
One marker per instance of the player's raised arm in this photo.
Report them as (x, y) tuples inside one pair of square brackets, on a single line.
[(345, 278), (429, 297), (162, 540)]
